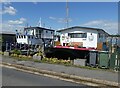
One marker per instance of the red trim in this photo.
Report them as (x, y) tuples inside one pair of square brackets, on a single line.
[(64, 47)]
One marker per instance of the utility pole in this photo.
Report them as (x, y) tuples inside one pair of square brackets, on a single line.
[(67, 12)]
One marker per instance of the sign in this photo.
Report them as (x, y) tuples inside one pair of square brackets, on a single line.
[(91, 38)]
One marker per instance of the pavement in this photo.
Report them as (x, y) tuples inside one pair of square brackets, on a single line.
[(95, 76)]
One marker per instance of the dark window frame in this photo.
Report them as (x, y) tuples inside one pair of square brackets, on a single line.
[(51, 32), (77, 35)]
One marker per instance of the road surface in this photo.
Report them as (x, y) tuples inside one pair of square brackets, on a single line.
[(12, 77)]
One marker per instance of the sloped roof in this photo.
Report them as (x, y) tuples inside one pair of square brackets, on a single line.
[(7, 32), (98, 29), (40, 28)]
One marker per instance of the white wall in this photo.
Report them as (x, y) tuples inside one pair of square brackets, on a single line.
[(22, 40), (86, 41), (34, 32), (29, 41)]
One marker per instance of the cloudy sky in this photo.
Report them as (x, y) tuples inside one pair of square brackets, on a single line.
[(17, 15)]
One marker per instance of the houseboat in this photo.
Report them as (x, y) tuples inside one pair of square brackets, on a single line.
[(84, 37), (35, 35)]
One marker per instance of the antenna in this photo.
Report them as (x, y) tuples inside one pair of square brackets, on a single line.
[(67, 10), (40, 22), (26, 25), (43, 24)]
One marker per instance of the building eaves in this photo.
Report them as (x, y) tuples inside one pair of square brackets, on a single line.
[(77, 27), (98, 29), (7, 32), (40, 28)]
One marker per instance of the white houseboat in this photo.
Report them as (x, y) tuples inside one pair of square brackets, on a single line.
[(83, 37)]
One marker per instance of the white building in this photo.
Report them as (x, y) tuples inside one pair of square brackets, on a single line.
[(83, 37), (35, 35)]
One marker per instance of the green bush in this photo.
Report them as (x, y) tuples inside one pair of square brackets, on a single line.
[(1, 52), (56, 61), (15, 51)]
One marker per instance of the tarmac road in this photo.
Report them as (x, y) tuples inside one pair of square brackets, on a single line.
[(12, 77)]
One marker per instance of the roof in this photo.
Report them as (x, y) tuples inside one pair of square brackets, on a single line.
[(7, 32), (98, 29), (114, 35), (40, 28)]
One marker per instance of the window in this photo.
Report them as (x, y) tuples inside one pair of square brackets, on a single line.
[(51, 32), (32, 37), (39, 35), (21, 36), (39, 31), (84, 35), (99, 35), (46, 31), (77, 35), (29, 37)]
